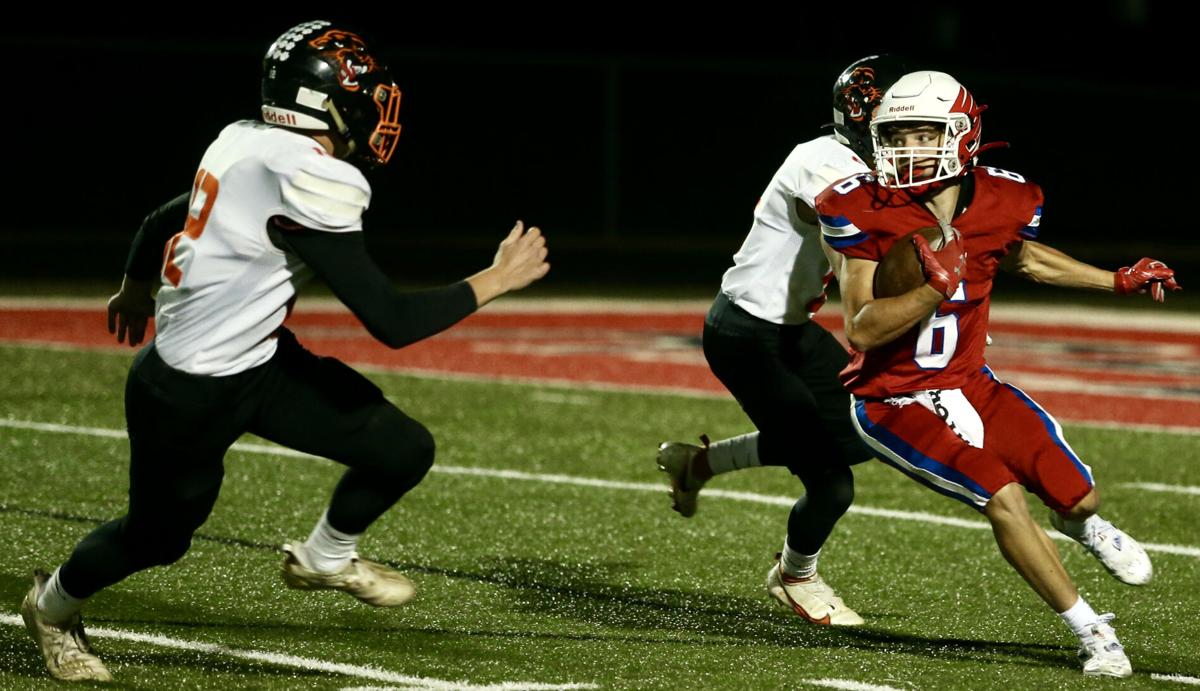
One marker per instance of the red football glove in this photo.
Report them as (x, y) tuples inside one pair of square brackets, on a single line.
[(943, 279), (1148, 275)]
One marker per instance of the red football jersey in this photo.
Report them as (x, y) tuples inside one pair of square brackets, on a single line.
[(862, 219)]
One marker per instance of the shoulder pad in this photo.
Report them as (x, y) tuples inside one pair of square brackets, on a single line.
[(817, 163), (833, 210), (319, 191), (1023, 198)]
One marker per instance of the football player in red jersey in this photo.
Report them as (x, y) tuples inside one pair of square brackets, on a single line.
[(922, 395)]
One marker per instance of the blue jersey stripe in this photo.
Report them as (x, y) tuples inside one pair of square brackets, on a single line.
[(834, 221), (1051, 425), (920, 467), (1030, 231), (846, 241)]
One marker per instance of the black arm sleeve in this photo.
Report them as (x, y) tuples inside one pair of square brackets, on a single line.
[(395, 318), (146, 253)]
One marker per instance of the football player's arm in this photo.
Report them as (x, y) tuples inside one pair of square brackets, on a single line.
[(146, 253), (133, 305), (872, 322), (520, 260), (400, 318), (1044, 264)]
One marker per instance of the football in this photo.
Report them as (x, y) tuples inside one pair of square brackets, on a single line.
[(900, 271)]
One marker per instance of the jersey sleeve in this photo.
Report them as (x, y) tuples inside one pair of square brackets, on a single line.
[(813, 168), (146, 252), (837, 221), (395, 318), (1033, 214), (319, 191), (1013, 198)]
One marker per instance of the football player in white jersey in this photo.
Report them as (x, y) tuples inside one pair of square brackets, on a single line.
[(273, 203), (761, 342)]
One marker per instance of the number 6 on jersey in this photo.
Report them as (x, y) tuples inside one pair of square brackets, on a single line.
[(938, 338)]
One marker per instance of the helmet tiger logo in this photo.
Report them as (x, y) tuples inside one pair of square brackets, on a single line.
[(861, 94), (349, 52)]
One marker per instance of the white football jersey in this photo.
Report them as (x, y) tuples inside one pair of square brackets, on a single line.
[(226, 287), (781, 268)]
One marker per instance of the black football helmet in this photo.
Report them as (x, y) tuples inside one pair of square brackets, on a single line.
[(318, 76), (856, 93)]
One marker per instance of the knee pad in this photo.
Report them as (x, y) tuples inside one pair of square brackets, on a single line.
[(834, 487), (158, 546), (402, 449), (170, 550), (424, 448)]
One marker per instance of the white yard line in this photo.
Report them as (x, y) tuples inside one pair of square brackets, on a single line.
[(847, 685), (502, 686), (499, 473), (1177, 678), (307, 663), (565, 384), (563, 398), (1158, 487), (1131, 427)]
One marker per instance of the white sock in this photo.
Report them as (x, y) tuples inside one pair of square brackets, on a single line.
[(735, 453), (329, 549), (56, 604), (798, 565), (1079, 617), (1082, 531)]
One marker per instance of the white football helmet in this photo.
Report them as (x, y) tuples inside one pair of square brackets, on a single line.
[(926, 98)]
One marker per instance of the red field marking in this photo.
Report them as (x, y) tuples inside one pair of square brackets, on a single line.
[(1082, 373)]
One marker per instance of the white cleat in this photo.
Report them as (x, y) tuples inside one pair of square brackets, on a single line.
[(1124, 558), (677, 460), (1102, 654), (811, 598), (65, 647), (371, 582)]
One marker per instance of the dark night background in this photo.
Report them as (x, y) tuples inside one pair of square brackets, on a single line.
[(639, 137)]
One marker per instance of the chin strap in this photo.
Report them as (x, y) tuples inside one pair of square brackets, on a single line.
[(948, 231), (343, 131)]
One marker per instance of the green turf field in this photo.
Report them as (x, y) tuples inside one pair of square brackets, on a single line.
[(528, 575)]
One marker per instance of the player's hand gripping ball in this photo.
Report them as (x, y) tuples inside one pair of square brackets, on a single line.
[(927, 255)]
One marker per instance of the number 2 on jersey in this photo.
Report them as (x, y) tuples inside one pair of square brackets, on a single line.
[(938, 338), (204, 194)]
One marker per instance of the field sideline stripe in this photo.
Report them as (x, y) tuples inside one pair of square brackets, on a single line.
[(280, 659), (577, 386), (1177, 678), (579, 481), (1003, 314)]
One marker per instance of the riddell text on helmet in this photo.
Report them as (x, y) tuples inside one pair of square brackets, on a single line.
[(279, 118)]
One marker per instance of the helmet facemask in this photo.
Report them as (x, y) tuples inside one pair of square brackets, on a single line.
[(932, 101), (370, 130), (913, 166)]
